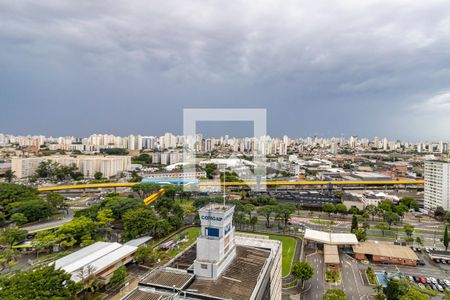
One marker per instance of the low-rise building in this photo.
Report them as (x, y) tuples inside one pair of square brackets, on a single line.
[(100, 259), (385, 252)]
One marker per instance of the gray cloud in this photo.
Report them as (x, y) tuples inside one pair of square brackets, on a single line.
[(353, 67)]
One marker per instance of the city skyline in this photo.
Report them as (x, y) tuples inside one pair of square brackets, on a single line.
[(343, 137)]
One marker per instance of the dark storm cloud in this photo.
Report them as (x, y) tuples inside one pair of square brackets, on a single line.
[(324, 67)]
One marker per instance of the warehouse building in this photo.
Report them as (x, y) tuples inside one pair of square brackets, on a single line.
[(385, 252), (100, 259)]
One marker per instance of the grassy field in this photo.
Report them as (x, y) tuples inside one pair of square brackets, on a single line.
[(289, 245), (192, 234)]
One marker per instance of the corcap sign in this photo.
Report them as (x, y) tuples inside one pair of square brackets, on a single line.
[(211, 218)]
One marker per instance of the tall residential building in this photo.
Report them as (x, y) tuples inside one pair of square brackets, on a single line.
[(437, 184), (87, 164)]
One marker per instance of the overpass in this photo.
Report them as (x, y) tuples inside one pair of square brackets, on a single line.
[(243, 183)]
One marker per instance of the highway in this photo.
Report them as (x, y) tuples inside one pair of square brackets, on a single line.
[(244, 183)]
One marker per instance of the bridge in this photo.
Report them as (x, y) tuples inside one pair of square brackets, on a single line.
[(243, 183)]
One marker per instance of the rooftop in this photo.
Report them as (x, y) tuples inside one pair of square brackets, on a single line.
[(97, 256), (331, 254), (147, 295), (385, 249), (331, 238), (139, 241), (240, 278), (168, 279), (216, 208)]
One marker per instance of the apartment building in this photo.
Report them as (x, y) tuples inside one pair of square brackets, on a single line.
[(437, 184), (87, 164)]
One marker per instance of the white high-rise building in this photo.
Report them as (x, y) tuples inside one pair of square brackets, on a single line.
[(437, 184), (215, 246)]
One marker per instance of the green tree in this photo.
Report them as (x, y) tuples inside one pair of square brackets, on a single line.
[(81, 229), (138, 222), (391, 218), (10, 193), (55, 200), (105, 217), (447, 217), (119, 276), (383, 226), (329, 208), (143, 159), (419, 241), (439, 212), (361, 234), (341, 208), (98, 175), (409, 229), (266, 211), (302, 270), (18, 218), (12, 235), (119, 205), (354, 223), (172, 190), (33, 209), (146, 189), (9, 176), (253, 221), (413, 294), (446, 238), (162, 228), (44, 282), (371, 210), (334, 294), (210, 169), (285, 210), (409, 202), (395, 289), (386, 205)]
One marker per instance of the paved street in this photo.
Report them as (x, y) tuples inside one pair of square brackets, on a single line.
[(352, 281), (67, 218)]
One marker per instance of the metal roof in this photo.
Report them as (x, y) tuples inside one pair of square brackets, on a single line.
[(331, 238), (97, 256), (139, 241)]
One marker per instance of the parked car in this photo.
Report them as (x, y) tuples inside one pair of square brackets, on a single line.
[(433, 280), (420, 262), (422, 280), (421, 286)]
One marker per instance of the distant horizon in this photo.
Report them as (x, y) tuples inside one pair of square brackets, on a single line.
[(232, 136)]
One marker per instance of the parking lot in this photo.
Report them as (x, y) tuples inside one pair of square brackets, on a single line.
[(431, 274)]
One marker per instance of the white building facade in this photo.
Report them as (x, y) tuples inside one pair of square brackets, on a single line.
[(437, 184)]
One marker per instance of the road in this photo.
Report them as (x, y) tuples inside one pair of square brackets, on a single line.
[(67, 218), (352, 281)]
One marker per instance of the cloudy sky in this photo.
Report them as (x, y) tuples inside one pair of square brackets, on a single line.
[(319, 67)]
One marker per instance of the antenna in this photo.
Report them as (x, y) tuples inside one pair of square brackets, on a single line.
[(224, 193)]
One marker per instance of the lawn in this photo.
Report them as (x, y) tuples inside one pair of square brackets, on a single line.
[(192, 234), (288, 245)]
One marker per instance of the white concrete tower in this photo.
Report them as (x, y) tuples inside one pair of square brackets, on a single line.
[(215, 246)]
